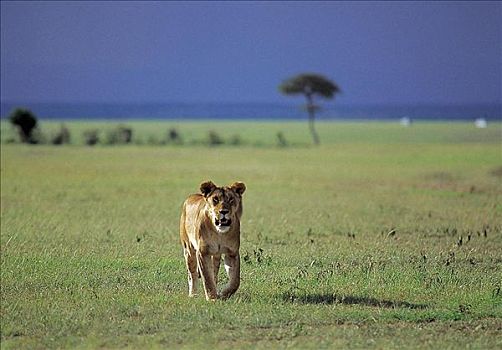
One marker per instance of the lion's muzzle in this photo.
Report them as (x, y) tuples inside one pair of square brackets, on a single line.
[(223, 219)]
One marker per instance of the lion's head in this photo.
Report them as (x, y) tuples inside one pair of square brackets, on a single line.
[(223, 204)]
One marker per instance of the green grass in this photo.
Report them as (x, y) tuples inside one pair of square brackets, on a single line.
[(263, 134), (90, 254)]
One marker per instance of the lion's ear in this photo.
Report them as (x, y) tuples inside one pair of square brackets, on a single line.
[(238, 187), (207, 187)]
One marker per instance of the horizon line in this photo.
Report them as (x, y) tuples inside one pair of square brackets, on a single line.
[(370, 104)]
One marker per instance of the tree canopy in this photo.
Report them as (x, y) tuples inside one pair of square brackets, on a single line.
[(309, 84)]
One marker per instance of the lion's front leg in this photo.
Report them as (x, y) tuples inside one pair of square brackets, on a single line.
[(216, 263), (232, 266), (191, 264), (206, 268)]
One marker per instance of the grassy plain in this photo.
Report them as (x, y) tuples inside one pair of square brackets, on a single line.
[(382, 237)]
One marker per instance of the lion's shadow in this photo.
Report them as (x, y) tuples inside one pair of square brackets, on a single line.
[(328, 299)]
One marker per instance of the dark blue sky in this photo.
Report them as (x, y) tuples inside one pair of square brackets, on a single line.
[(378, 52)]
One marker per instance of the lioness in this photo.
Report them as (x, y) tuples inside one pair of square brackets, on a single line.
[(210, 227)]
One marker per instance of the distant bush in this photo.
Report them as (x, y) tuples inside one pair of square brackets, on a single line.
[(126, 134), (281, 140), (154, 141), (138, 141), (62, 136), (235, 140), (215, 139), (91, 137), (25, 122), (118, 135), (173, 137), (38, 137)]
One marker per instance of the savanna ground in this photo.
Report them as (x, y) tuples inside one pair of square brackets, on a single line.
[(382, 237)]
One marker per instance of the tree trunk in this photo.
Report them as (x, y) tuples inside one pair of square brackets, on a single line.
[(311, 110), (23, 135)]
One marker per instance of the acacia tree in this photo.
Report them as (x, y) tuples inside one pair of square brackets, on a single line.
[(25, 122), (310, 85)]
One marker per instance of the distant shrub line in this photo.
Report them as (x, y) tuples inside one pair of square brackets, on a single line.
[(25, 123)]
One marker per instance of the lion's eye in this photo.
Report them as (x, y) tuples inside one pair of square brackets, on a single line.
[(231, 200), (215, 200)]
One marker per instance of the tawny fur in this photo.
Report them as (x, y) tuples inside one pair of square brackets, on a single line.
[(204, 240)]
